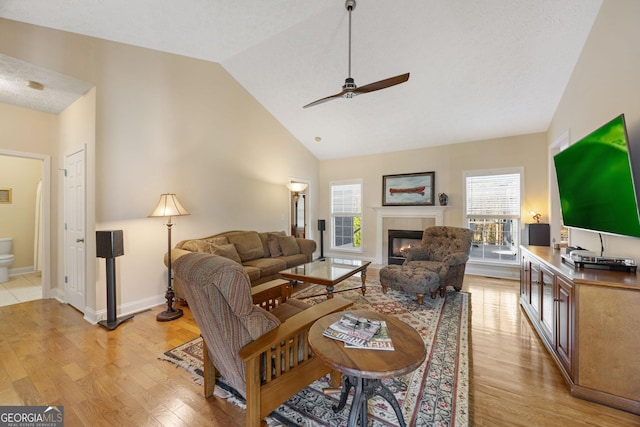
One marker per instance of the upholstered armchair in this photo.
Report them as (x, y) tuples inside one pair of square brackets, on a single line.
[(444, 250), (256, 338)]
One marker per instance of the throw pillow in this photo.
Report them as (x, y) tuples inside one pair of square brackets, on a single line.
[(217, 240), (274, 246), (289, 245), (227, 251), (196, 246), (248, 245)]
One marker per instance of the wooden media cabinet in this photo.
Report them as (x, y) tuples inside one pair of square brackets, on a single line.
[(589, 321)]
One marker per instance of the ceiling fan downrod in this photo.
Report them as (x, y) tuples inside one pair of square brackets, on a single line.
[(349, 83)]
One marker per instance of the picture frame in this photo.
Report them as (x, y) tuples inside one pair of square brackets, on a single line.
[(409, 189), (5, 195)]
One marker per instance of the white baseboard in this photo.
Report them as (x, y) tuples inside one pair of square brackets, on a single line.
[(133, 307), (20, 271), (500, 271)]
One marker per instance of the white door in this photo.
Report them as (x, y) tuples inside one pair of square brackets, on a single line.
[(74, 224)]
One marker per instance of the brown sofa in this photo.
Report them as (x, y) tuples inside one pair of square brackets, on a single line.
[(262, 255)]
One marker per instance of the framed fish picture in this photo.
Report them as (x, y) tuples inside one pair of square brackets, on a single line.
[(409, 189)]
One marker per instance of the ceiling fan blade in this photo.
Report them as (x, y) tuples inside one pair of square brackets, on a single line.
[(328, 98), (383, 84)]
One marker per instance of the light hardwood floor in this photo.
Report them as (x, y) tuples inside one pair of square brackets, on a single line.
[(49, 355)]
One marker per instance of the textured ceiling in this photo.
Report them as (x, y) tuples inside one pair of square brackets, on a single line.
[(58, 93), (479, 69)]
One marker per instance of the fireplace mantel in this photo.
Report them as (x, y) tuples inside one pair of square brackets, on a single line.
[(435, 212)]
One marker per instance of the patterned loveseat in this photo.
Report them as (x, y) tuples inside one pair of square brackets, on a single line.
[(262, 255)]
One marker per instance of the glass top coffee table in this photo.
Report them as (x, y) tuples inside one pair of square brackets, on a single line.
[(328, 272)]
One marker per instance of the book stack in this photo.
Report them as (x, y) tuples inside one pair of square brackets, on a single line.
[(360, 333)]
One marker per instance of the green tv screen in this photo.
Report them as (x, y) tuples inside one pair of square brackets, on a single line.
[(595, 182)]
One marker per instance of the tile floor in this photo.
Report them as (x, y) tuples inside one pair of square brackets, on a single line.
[(21, 288)]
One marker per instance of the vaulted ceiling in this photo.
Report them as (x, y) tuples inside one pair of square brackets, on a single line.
[(479, 69)]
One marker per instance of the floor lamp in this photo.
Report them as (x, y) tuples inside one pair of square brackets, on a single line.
[(169, 206), (296, 188)]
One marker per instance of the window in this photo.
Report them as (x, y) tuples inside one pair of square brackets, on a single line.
[(493, 213), (346, 215)]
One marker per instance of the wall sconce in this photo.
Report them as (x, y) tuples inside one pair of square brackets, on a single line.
[(169, 206), (296, 188), (536, 216)]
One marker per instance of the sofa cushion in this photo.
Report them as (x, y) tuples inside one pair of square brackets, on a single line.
[(288, 245), (288, 309), (227, 251), (434, 266), (254, 273), (248, 245), (294, 260), (267, 266)]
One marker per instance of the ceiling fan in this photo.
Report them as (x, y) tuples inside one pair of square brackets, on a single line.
[(349, 90)]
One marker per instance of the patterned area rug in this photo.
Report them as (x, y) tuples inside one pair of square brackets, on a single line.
[(435, 394)]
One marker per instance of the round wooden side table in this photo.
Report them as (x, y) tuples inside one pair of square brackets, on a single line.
[(364, 369)]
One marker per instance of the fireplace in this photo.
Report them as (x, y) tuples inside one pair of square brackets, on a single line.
[(400, 240)]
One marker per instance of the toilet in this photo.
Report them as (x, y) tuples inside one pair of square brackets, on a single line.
[(6, 259)]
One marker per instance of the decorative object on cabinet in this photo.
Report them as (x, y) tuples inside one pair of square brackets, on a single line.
[(536, 216)]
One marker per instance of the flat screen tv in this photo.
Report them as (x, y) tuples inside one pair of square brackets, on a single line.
[(595, 182)]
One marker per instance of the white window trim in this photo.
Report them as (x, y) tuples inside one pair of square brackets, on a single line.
[(497, 171), (331, 224)]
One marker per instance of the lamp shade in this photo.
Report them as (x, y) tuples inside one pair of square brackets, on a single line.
[(168, 206), (296, 187)]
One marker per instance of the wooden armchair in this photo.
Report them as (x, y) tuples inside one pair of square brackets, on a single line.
[(255, 338)]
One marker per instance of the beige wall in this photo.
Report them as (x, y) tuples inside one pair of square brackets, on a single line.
[(17, 220), (604, 84), (23, 133), (449, 163), (167, 123)]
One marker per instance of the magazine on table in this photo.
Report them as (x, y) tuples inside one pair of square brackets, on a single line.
[(381, 340), (353, 329)]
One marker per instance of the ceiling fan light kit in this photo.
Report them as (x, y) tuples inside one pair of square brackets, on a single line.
[(350, 89)]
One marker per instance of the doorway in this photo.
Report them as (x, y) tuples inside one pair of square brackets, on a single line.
[(27, 221), (298, 207)]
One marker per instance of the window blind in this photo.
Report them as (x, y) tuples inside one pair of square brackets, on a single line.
[(346, 199), (493, 195)]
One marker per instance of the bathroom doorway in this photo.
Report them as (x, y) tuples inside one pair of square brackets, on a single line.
[(26, 221)]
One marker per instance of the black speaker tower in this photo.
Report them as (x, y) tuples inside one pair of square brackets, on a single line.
[(321, 227), (109, 245)]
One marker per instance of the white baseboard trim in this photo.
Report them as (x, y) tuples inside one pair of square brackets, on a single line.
[(500, 271), (20, 271), (132, 307)]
